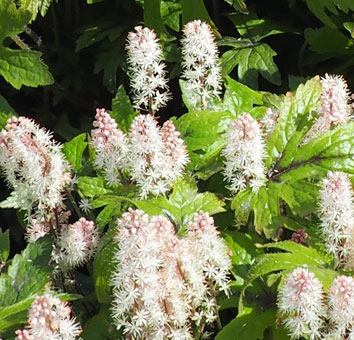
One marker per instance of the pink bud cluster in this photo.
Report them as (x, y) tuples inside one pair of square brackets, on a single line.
[(309, 312), (201, 68), (164, 282), (150, 90), (244, 152), (336, 199), (334, 107), (154, 157), (33, 165), (49, 318)]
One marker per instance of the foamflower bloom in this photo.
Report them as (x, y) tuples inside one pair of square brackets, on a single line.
[(341, 308), (49, 318), (334, 107), (157, 156), (110, 145), (164, 282), (336, 213), (147, 71), (244, 152), (300, 300), (77, 243), (200, 63), (153, 157), (34, 166)]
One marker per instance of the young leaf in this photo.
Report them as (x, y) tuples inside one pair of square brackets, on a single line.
[(74, 149), (23, 67)]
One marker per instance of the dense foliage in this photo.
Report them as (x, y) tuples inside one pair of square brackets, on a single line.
[(176, 169)]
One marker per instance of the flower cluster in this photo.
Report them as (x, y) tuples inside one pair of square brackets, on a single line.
[(148, 80), (334, 107), (164, 282), (341, 311), (201, 69), (301, 300), (34, 166), (154, 157), (77, 243), (244, 152), (110, 145), (269, 121), (337, 214), (309, 311), (49, 318)]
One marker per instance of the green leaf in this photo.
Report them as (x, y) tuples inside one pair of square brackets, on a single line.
[(192, 10), (4, 246), (122, 109), (107, 214), (12, 20), (99, 327), (74, 149), (320, 7), (288, 131), (171, 12), (310, 255), (249, 324), (338, 43), (98, 31), (300, 196), (265, 206), (242, 204), (109, 60), (27, 274), (239, 98), (6, 112), (183, 202), (35, 7), (203, 132), (152, 16), (250, 62), (23, 67), (92, 186), (249, 26), (333, 150), (104, 265)]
